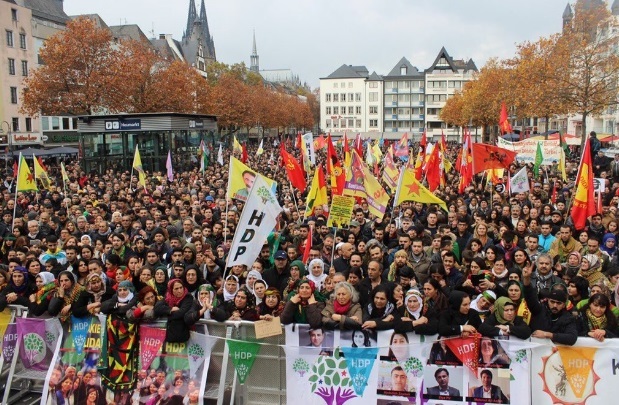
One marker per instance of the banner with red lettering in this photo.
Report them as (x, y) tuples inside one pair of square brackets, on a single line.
[(151, 340)]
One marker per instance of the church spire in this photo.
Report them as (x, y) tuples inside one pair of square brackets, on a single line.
[(191, 17), (255, 64), (204, 21)]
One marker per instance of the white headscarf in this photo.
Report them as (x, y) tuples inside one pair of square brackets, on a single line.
[(414, 294), (259, 300), (230, 296), (46, 277), (318, 280), (255, 274)]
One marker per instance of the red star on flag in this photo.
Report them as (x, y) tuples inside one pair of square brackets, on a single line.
[(413, 188), (344, 373), (30, 178)]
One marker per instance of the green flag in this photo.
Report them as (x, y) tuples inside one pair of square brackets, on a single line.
[(243, 354), (539, 158)]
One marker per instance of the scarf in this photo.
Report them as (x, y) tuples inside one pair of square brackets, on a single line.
[(414, 295), (318, 281), (595, 322), (19, 289), (341, 309), (253, 274), (170, 298), (49, 286), (380, 313), (98, 294), (499, 308), (211, 290), (229, 296), (261, 281)]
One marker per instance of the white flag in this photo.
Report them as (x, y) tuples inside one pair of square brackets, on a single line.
[(308, 144), (220, 156), (258, 219), (520, 182), (260, 150)]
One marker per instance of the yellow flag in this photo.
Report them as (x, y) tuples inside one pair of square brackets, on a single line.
[(41, 174), (495, 175), (410, 189), (63, 170), (240, 179), (25, 179), (578, 364), (317, 196), (236, 146), (137, 165), (377, 198)]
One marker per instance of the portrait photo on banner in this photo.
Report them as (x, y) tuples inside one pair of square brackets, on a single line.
[(491, 386), (316, 341), (358, 338), (441, 354), (443, 382), (393, 380)]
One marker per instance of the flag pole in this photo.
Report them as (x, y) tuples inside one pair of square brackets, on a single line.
[(293, 197), (333, 249), (16, 188), (131, 177)]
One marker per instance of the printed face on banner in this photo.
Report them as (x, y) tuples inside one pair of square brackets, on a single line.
[(443, 382), (393, 379), (316, 341), (441, 354), (358, 338), (492, 354), (491, 386)]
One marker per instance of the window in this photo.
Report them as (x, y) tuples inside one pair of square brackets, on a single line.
[(336, 97), (45, 123), (328, 123), (15, 122), (14, 14), (13, 95), (328, 97), (351, 123), (373, 85), (28, 124), (24, 68), (373, 110), (342, 123), (436, 98), (358, 110), (455, 84), (343, 109), (403, 70), (12, 67), (343, 85), (55, 123), (335, 85), (404, 98), (357, 96), (391, 85), (328, 110), (335, 123), (404, 85), (351, 110), (434, 111), (336, 110), (373, 123), (343, 97), (350, 96), (442, 84), (373, 96), (9, 38), (358, 124), (22, 41), (349, 85), (65, 122)]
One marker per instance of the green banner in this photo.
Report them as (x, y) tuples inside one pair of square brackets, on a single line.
[(243, 355)]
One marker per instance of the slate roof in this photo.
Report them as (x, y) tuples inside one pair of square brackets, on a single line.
[(454, 65), (95, 17), (129, 31), (51, 10), (375, 76), (411, 71), (567, 13), (350, 72)]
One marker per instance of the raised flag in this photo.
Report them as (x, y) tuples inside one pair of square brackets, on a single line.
[(25, 179), (317, 196), (137, 165), (354, 185), (202, 156), (293, 169), (258, 219), (421, 156), (334, 168), (465, 164), (260, 150), (410, 189), (433, 169), (244, 154), (63, 170), (377, 198), (236, 146), (358, 145), (564, 154), (241, 179), (491, 157), (390, 171), (539, 159), (320, 143), (220, 155), (520, 182), (347, 156), (307, 143), (583, 205), (308, 245), (401, 147), (41, 174), (168, 166), (504, 125)]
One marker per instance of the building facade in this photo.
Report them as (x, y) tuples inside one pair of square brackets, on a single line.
[(405, 100)]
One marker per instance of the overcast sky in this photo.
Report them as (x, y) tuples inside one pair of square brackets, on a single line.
[(313, 38)]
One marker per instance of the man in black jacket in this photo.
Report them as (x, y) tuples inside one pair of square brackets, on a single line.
[(550, 320)]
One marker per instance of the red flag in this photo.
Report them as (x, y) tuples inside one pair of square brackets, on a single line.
[(15, 168), (491, 157), (401, 148), (358, 144), (320, 143), (584, 201), (504, 125), (466, 350), (244, 154), (334, 167), (308, 245), (553, 197), (433, 169), (293, 169), (298, 141), (465, 164)]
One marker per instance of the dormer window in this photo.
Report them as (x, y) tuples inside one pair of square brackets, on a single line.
[(403, 70)]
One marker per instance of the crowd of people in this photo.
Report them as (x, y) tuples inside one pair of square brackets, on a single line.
[(494, 264)]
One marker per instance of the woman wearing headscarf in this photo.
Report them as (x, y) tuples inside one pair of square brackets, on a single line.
[(572, 265), (515, 292), (97, 292), (504, 321), (204, 304), (17, 291), (590, 266), (46, 288), (192, 278), (304, 305), (597, 320), (70, 298), (297, 272), (317, 273), (231, 286), (242, 308), (122, 340), (252, 276), (458, 320), (177, 303), (609, 244), (412, 318), (144, 310), (380, 313), (260, 286), (343, 311), (272, 305), (4, 280), (160, 281)]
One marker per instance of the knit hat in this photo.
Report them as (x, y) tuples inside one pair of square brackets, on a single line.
[(557, 295), (126, 284)]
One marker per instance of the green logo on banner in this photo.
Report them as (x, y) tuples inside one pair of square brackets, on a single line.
[(243, 355)]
